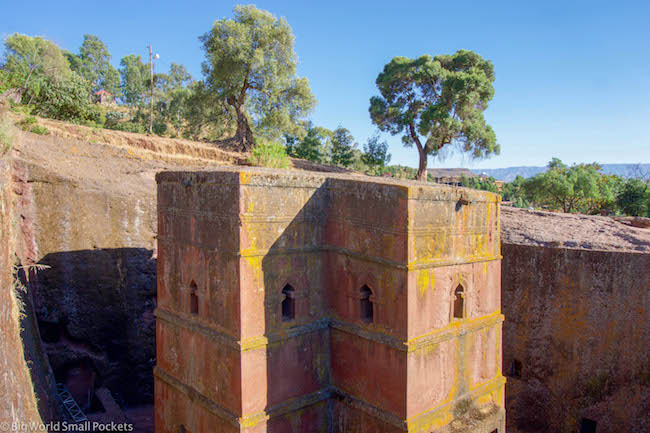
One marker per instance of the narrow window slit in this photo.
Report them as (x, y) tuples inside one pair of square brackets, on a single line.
[(288, 304), (515, 370), (194, 299), (459, 302), (366, 307)]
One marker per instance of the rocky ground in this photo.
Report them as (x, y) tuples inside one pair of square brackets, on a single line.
[(552, 229)]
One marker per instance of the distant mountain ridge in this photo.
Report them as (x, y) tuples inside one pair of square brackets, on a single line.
[(510, 173)]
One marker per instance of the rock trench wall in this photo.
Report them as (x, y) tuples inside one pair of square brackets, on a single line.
[(95, 297), (576, 340), (18, 402)]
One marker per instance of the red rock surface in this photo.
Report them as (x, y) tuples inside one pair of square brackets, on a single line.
[(573, 231)]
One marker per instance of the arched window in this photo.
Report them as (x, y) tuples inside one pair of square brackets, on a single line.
[(459, 302), (194, 299), (288, 304), (365, 305)]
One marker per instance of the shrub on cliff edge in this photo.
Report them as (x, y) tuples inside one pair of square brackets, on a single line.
[(7, 135), (269, 154)]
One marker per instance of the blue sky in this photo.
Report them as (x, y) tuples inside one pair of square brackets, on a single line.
[(572, 77)]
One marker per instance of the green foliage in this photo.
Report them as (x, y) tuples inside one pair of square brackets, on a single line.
[(481, 183), (26, 123), (66, 100), (580, 188), (375, 153), (269, 153), (250, 69), (29, 124), (400, 172), (512, 191), (172, 95), (436, 102), (134, 75), (314, 146), (342, 150), (7, 136), (22, 109), (40, 130), (130, 127), (634, 198), (205, 115), (4, 80), (74, 62), (31, 61), (95, 66), (113, 118), (159, 127)]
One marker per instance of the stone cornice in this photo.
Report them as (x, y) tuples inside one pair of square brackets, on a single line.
[(414, 265), (450, 331)]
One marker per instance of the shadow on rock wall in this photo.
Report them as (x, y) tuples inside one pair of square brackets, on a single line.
[(95, 315), (297, 356)]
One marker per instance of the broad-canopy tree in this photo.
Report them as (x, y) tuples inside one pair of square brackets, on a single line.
[(29, 61), (314, 146), (580, 188), (173, 93), (250, 65), (436, 102), (634, 197), (133, 75), (66, 99), (96, 67), (342, 150), (375, 153)]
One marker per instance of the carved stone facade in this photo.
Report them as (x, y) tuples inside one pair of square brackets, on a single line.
[(326, 303)]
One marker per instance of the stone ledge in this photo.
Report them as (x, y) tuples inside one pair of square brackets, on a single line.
[(264, 178), (415, 265), (433, 338), (306, 400), (247, 420)]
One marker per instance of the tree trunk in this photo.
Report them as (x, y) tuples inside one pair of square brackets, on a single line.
[(422, 168), (244, 135)]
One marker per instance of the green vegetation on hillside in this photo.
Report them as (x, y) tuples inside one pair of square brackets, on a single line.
[(249, 94), (581, 188)]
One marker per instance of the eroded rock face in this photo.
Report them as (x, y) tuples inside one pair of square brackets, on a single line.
[(95, 297), (575, 339), (17, 403)]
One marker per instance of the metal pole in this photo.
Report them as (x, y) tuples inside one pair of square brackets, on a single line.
[(151, 69)]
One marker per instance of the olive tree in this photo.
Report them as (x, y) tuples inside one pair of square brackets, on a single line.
[(250, 66)]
